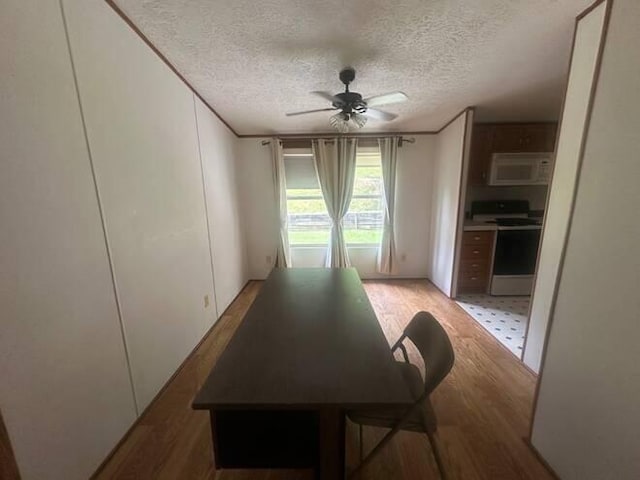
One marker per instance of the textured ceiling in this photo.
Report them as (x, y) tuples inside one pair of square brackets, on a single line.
[(255, 60)]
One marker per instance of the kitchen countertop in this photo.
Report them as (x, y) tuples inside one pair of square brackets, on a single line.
[(470, 225)]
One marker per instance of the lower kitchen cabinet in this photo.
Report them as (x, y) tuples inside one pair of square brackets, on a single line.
[(475, 261)]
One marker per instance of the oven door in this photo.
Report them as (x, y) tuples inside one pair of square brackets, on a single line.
[(515, 261), (516, 252)]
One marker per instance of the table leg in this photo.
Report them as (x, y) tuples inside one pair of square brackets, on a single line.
[(332, 444)]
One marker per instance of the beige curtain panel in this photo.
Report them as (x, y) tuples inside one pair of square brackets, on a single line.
[(387, 251), (335, 161), (283, 258)]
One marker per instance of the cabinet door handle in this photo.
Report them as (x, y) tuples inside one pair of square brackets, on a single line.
[(474, 278), (476, 251), (475, 265), (476, 238)]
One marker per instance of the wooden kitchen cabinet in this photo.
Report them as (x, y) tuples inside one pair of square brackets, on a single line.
[(475, 261), (508, 139), (487, 139), (540, 138), (480, 155), (524, 138)]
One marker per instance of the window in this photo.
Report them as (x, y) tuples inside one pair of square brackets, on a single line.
[(363, 223), (309, 222)]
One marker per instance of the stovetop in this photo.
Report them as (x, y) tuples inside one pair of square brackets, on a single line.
[(505, 214), (514, 222)]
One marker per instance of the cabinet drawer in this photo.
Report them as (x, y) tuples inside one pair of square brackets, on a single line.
[(474, 266), (477, 237), (473, 279), (476, 252)]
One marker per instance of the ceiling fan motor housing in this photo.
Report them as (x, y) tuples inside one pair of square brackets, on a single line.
[(350, 102)]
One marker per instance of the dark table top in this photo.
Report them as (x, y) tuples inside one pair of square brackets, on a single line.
[(310, 339)]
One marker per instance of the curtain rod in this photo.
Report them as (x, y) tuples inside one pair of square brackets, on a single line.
[(401, 139)]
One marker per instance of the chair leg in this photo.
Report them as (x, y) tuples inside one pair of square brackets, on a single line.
[(436, 455), (397, 427), (373, 452), (361, 443)]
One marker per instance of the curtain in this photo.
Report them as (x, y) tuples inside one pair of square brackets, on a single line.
[(387, 250), (280, 190), (336, 165)]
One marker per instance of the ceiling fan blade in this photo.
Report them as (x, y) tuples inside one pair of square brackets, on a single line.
[(327, 96), (293, 114), (386, 99), (380, 115)]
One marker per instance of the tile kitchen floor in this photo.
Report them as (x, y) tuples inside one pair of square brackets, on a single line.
[(503, 317)]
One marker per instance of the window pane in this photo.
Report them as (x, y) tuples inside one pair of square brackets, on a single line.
[(368, 180), (300, 172), (306, 206), (309, 222), (308, 237), (363, 223), (371, 237)]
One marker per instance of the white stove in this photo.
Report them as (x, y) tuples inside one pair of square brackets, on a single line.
[(516, 246)]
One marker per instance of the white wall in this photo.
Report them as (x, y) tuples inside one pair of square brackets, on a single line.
[(66, 393), (445, 202), (257, 202), (64, 390), (413, 211), (587, 421), (217, 149), (581, 77), (143, 139)]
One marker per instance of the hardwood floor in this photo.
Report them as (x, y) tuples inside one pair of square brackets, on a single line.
[(8, 467), (483, 407)]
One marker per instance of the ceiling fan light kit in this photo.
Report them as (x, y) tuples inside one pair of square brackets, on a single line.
[(354, 110)]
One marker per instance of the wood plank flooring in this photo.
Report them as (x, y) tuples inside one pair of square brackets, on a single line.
[(8, 467), (483, 407)]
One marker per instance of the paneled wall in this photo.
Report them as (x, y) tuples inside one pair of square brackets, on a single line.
[(581, 78), (446, 201), (587, 420), (217, 146), (112, 197), (413, 213), (144, 144), (65, 393)]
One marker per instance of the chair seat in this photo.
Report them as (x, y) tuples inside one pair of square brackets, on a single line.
[(421, 418)]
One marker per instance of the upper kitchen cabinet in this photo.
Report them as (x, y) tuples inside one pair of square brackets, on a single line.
[(488, 139), (480, 155), (524, 138)]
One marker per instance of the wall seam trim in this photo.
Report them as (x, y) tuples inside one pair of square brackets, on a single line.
[(101, 212), (206, 208)]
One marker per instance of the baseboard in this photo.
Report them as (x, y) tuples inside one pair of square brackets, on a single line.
[(164, 387), (541, 458), (529, 369), (440, 290)]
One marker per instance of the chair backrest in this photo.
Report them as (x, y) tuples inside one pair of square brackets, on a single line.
[(434, 346)]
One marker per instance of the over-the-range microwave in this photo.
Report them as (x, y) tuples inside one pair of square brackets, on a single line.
[(520, 168)]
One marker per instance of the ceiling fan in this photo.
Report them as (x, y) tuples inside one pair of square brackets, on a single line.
[(355, 110)]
